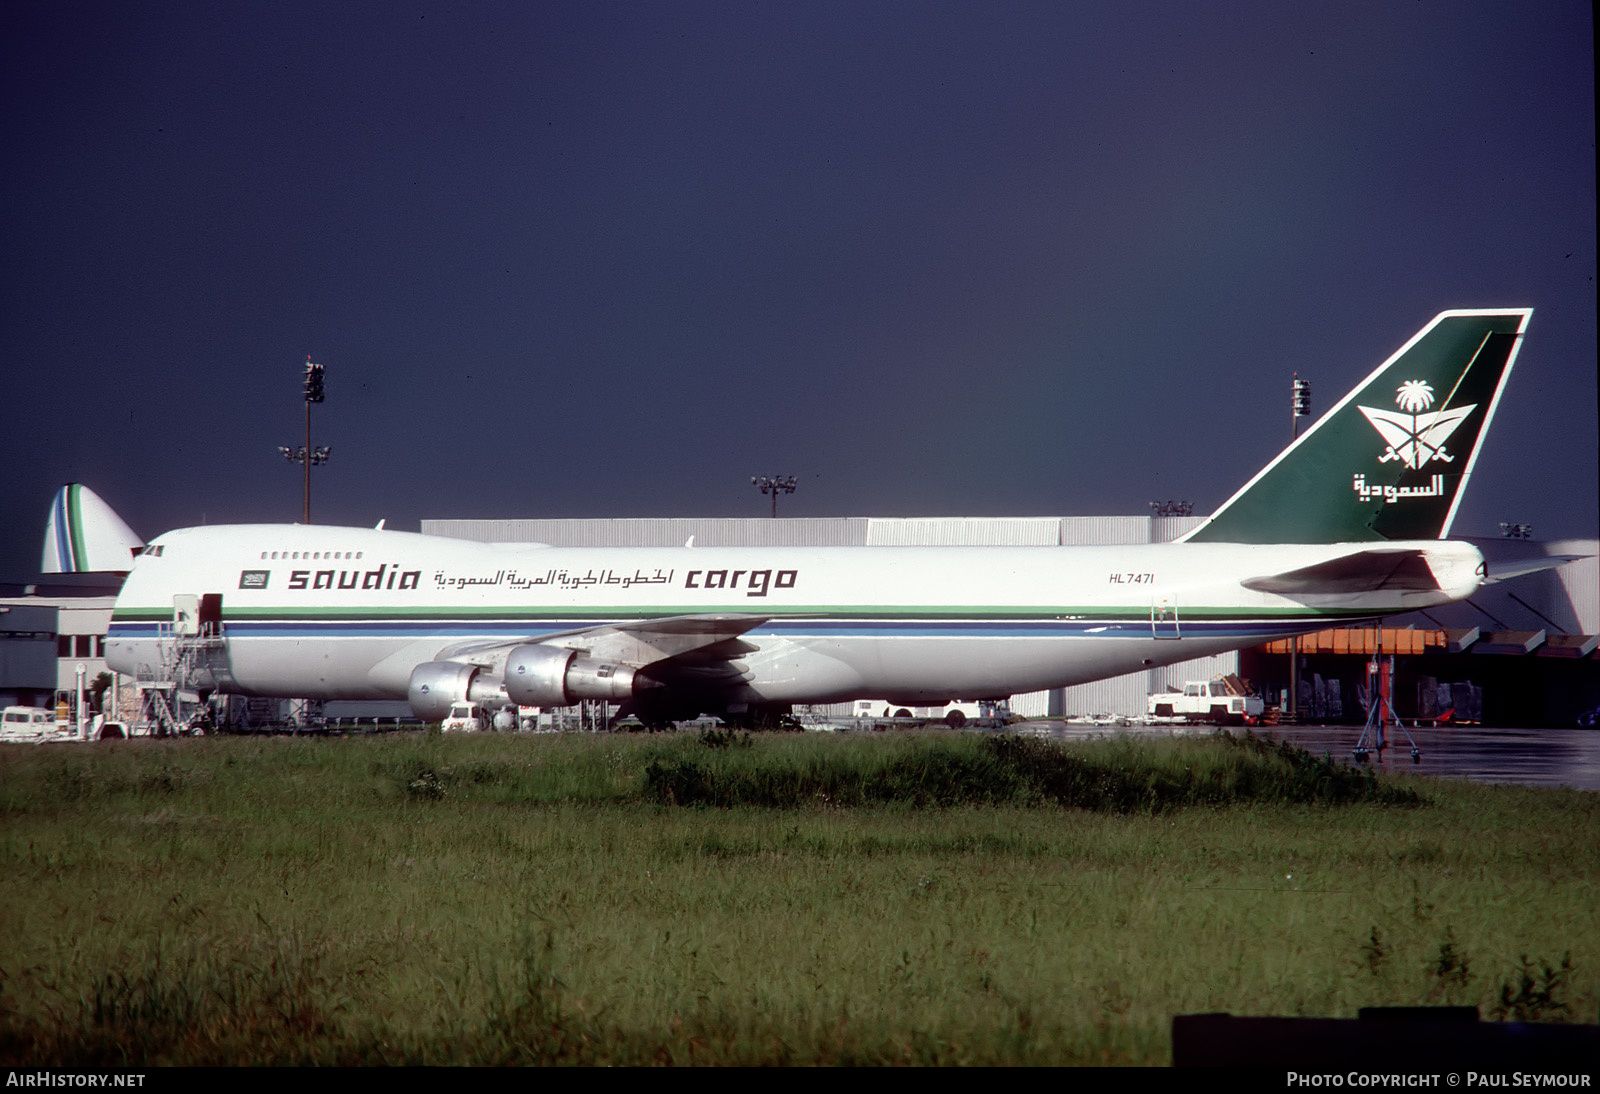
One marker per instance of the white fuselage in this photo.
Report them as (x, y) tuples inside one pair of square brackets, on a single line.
[(345, 613)]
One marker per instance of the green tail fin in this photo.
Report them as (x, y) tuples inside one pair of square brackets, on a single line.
[(1391, 459)]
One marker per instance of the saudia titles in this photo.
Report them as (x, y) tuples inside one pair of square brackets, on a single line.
[(390, 577), (384, 577)]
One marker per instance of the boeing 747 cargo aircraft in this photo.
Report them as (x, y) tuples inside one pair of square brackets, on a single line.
[(1348, 523)]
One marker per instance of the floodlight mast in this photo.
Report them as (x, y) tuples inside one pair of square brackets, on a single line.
[(775, 485), (1299, 407), (306, 454)]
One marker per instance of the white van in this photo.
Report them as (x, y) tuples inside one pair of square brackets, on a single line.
[(27, 722), (465, 718)]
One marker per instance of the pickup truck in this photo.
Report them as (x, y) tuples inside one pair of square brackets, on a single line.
[(1222, 702)]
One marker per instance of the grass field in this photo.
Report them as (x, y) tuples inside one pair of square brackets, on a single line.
[(773, 899)]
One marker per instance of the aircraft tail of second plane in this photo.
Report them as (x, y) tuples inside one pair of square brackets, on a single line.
[(84, 534)]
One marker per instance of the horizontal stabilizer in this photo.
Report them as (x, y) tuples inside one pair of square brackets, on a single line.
[(650, 640), (1362, 572)]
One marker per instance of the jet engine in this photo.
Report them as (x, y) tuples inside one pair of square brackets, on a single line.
[(435, 685), (549, 676)]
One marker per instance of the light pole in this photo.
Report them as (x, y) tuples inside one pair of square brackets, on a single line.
[(306, 454), (1299, 407), (779, 484), (83, 671)]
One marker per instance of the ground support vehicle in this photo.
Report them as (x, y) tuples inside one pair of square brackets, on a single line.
[(1223, 701)]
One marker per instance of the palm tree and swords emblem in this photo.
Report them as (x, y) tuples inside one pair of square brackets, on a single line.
[(1414, 437)]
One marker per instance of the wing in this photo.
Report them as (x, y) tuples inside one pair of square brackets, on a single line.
[(684, 653), (635, 643)]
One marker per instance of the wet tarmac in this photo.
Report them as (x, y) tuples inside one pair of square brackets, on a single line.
[(1531, 757)]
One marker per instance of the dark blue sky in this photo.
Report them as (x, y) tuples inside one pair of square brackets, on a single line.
[(611, 259)]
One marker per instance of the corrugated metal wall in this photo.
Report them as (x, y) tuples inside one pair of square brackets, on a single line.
[(1090, 531), (1581, 582), (1167, 529), (661, 531), (819, 531), (963, 531)]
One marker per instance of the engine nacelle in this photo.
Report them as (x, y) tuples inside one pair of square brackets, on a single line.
[(548, 676), (435, 685)]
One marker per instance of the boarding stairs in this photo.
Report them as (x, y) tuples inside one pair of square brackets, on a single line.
[(169, 689)]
